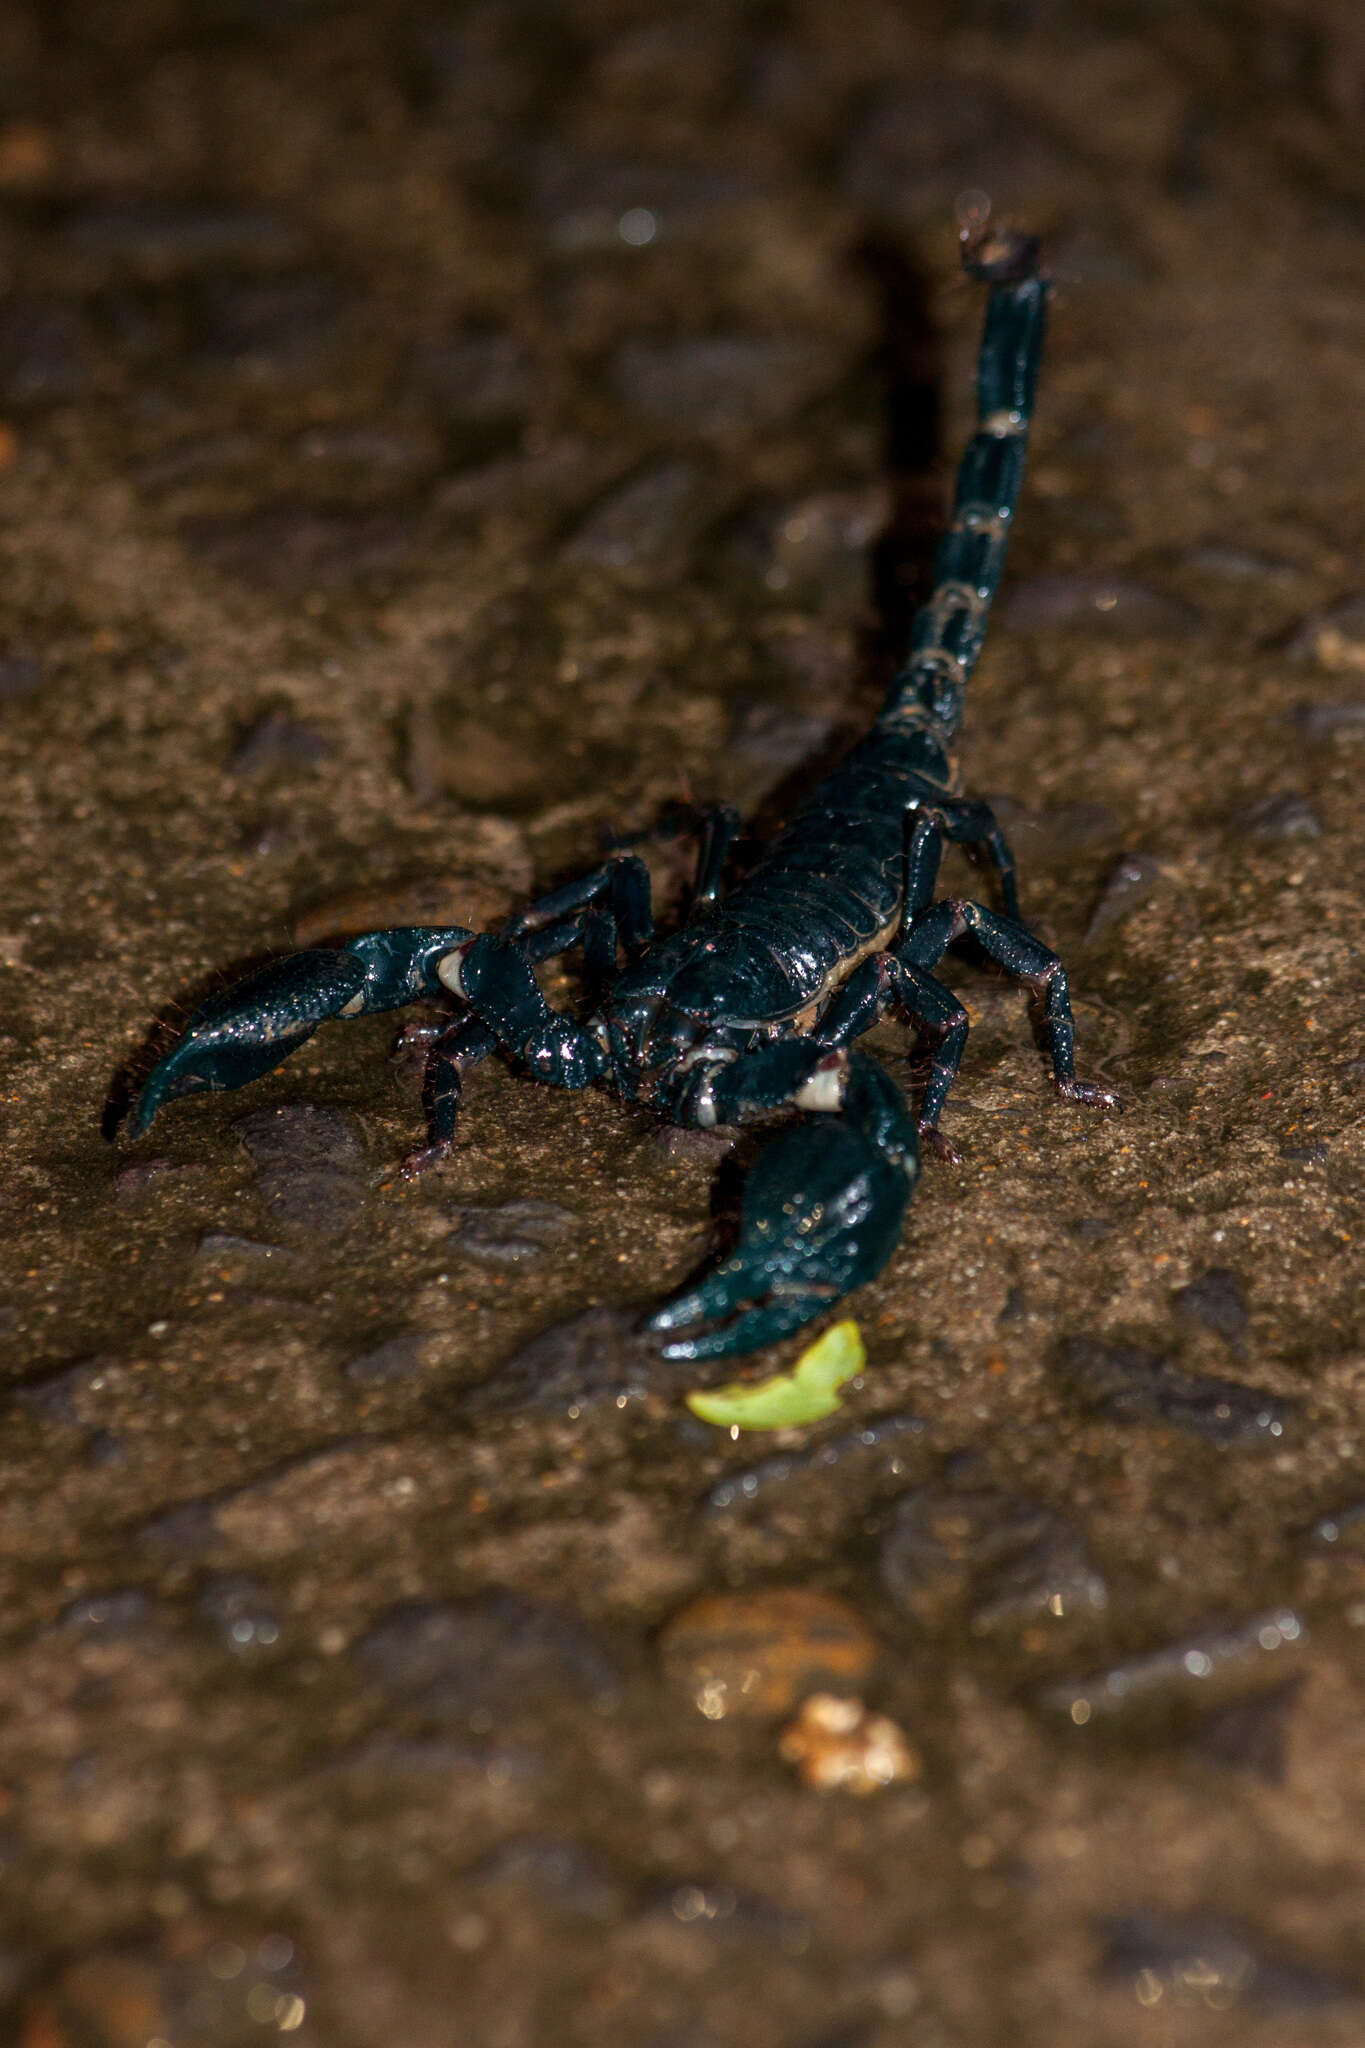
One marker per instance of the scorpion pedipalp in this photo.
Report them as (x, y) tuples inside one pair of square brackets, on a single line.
[(754, 1005), (821, 1212), (251, 1028)]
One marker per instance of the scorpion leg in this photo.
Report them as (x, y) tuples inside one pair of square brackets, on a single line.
[(253, 1026), (458, 1044), (969, 823), (822, 1204), (938, 1018), (622, 879), (493, 976), (1013, 946), (718, 829)]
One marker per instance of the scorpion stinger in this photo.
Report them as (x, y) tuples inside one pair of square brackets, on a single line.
[(755, 1004)]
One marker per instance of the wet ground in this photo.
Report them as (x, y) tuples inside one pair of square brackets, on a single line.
[(434, 439)]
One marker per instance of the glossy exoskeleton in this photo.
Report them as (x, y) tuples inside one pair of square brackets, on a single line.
[(757, 1003)]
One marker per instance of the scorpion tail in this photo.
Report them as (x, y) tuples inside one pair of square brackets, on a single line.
[(821, 1214), (946, 636)]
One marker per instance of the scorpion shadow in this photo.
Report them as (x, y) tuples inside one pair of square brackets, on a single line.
[(909, 362), (906, 366)]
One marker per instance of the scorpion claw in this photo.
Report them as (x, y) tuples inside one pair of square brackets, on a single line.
[(821, 1213), (251, 1028), (756, 1326), (248, 1029)]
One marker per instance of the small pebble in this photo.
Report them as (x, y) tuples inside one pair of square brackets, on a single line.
[(58, 1396), (838, 1746), (236, 1611), (265, 327), (309, 1166), (1016, 1307), (186, 1530), (998, 1560), (1250, 1735), (1320, 721), (496, 1654), (1184, 1960), (102, 1450), (643, 523), (593, 1358), (720, 382), (160, 237), (275, 741), (1089, 603), (140, 1175), (676, 1141), (1233, 564), (589, 202), (1285, 815), (1220, 1659), (1334, 637), (475, 376), (563, 1872), (292, 549), (398, 1358), (228, 1249), (718, 1908), (510, 1233), (42, 348), (19, 676), (1128, 886), (1216, 1300), (713, 1907), (756, 1654), (107, 1617), (1129, 1385), (367, 457), (879, 1448)]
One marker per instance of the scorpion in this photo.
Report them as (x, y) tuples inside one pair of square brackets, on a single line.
[(756, 1003)]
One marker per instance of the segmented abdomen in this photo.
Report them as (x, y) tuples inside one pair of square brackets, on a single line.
[(832, 884)]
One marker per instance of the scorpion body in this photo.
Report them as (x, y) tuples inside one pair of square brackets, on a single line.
[(755, 1004)]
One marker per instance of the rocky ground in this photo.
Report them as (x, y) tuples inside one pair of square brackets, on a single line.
[(435, 439)]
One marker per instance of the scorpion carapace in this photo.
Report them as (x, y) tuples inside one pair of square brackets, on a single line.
[(756, 1003)]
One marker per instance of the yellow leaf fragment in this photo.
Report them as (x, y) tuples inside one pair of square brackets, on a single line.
[(805, 1394)]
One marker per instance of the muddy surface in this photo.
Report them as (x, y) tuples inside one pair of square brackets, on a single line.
[(435, 439)]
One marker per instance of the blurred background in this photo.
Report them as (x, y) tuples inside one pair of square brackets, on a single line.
[(436, 441)]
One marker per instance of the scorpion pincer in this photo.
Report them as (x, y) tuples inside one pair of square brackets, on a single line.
[(757, 1003)]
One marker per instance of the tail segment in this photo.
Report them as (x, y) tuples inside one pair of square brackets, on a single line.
[(948, 630)]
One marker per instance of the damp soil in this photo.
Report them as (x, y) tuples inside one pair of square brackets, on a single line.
[(436, 442)]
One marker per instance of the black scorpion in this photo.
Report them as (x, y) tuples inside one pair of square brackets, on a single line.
[(756, 1003)]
